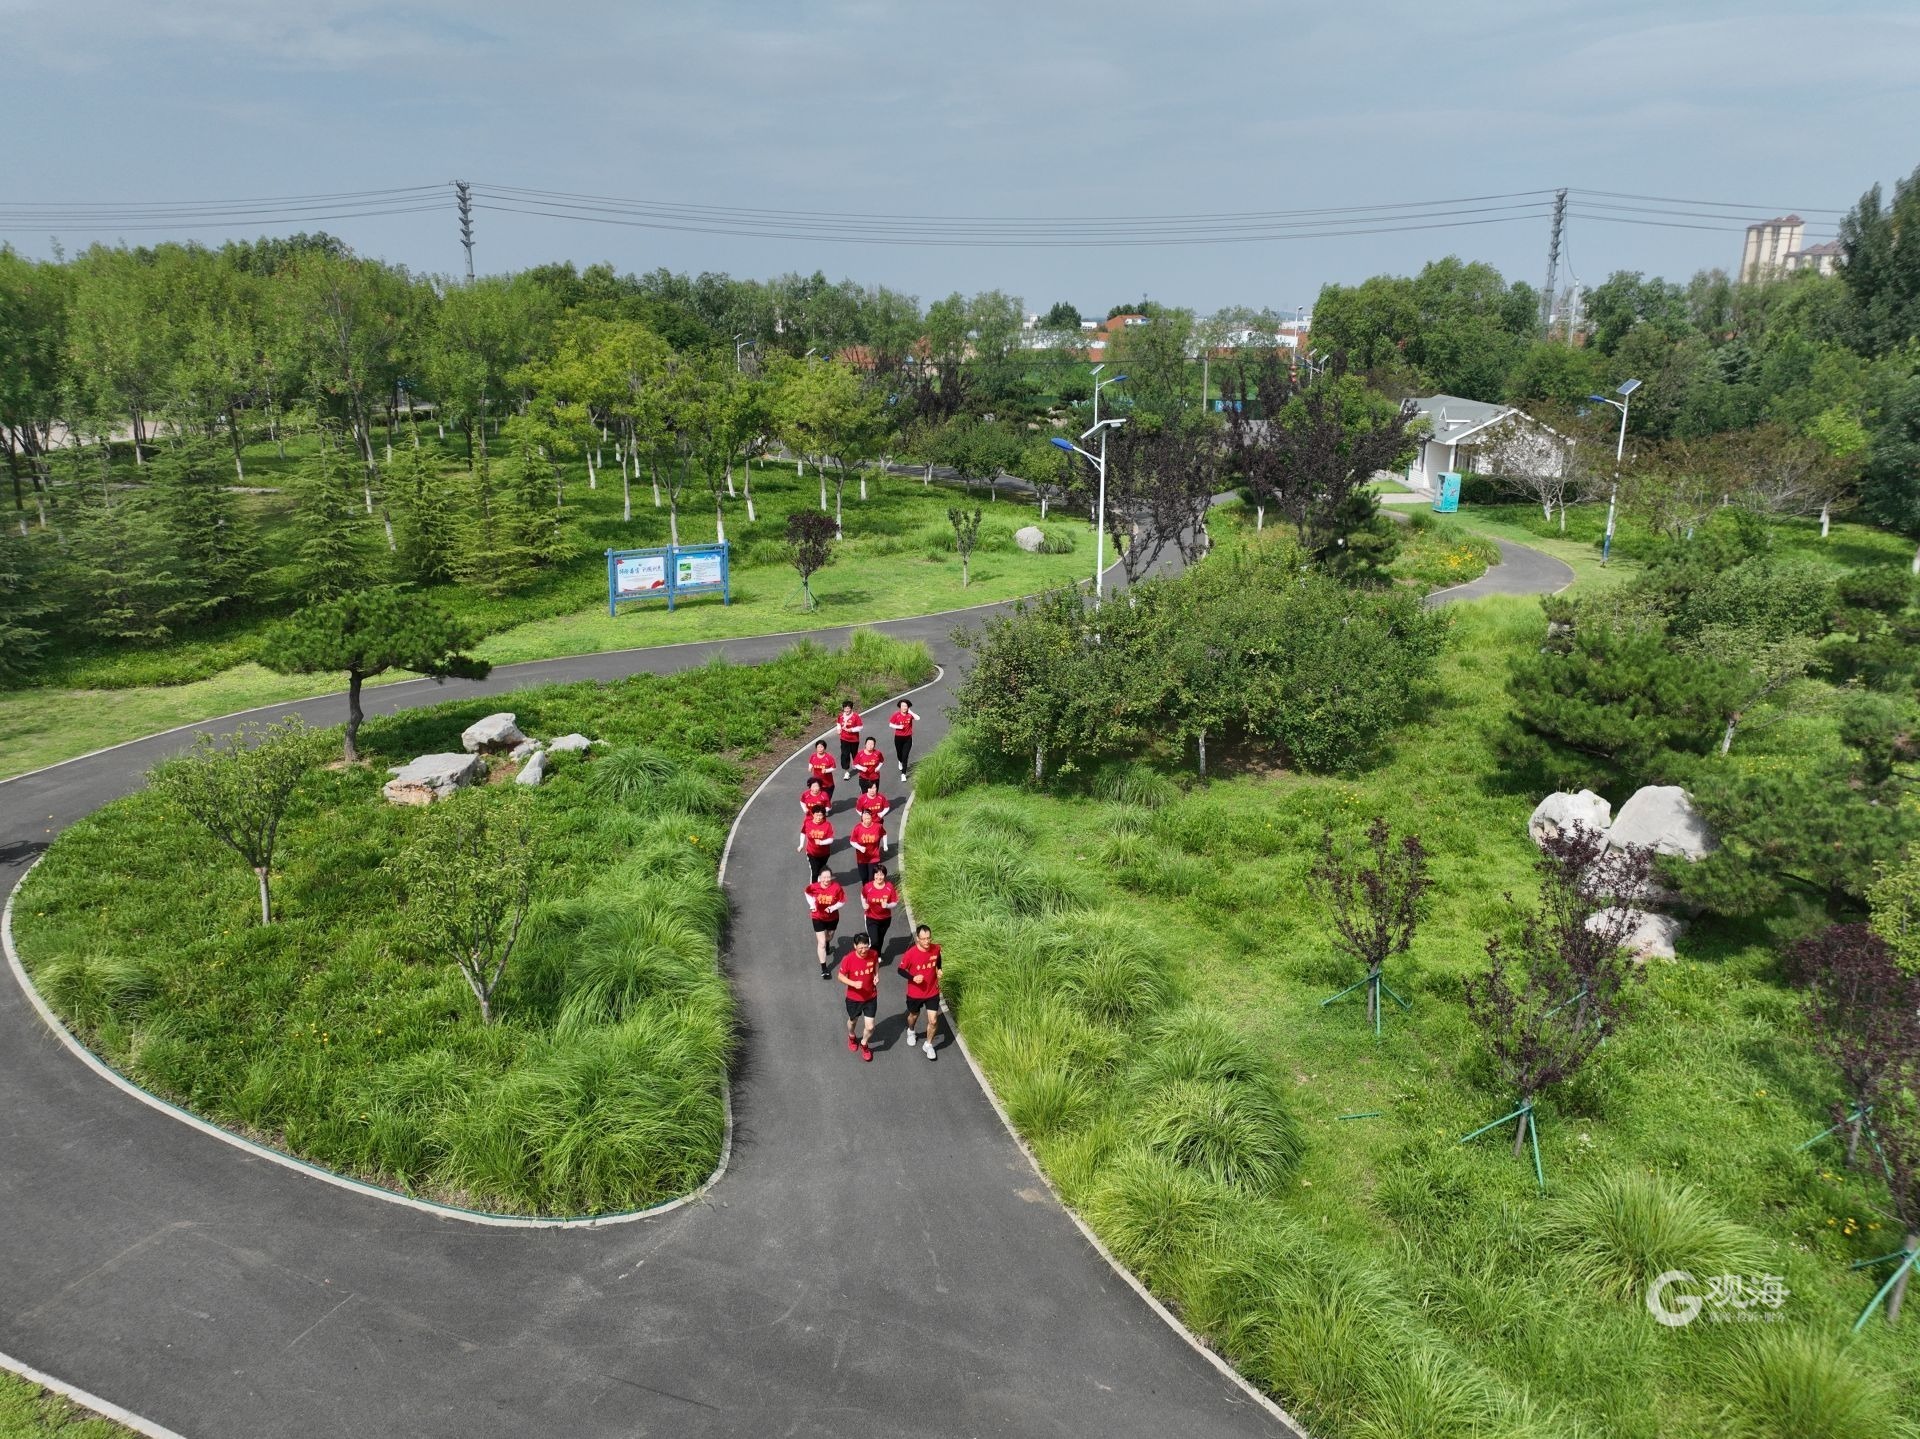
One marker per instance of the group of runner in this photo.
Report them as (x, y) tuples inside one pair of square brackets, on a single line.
[(859, 968)]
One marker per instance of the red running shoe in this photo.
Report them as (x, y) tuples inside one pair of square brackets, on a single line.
[(866, 1054), (852, 1044)]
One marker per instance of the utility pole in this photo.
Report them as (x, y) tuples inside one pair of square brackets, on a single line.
[(463, 196), (1553, 260)]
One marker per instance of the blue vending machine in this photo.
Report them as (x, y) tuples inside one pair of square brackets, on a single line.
[(1447, 499)]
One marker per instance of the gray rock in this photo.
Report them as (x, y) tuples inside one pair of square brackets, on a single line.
[(1647, 936), (495, 732), (1030, 538), (523, 749), (534, 770), (570, 744), (1661, 818), (1561, 809), (432, 777)]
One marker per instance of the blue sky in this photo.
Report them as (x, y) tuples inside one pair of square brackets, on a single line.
[(976, 108)]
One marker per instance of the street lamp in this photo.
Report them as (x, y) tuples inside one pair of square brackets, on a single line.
[(739, 344), (1098, 386), (1625, 391), (1100, 505)]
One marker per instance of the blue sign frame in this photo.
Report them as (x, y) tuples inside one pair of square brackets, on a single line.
[(668, 572), (1447, 500)]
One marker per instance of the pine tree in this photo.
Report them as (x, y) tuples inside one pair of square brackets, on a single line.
[(24, 610), (427, 521), (335, 550), (214, 539), (122, 560), (494, 554)]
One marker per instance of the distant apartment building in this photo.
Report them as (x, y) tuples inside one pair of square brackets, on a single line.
[(1774, 248)]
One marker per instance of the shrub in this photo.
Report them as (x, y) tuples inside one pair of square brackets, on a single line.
[(1238, 1132), (1153, 1212)]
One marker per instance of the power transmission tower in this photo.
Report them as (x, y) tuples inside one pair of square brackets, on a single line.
[(463, 196), (1553, 260)]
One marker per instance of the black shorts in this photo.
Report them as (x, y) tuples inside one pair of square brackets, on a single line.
[(862, 1008), (931, 1002), (826, 926)]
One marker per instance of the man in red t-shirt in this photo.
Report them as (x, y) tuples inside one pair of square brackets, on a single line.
[(867, 838), (867, 762), (816, 841), (901, 723), (849, 723), (860, 973), (825, 900), (921, 965), (820, 766), (879, 897), (872, 802)]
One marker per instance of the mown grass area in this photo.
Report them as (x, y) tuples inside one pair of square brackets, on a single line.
[(1849, 546), (29, 1412), (897, 561), (1140, 969), (329, 1034)]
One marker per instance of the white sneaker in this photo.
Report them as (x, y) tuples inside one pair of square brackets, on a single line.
[(928, 1047)]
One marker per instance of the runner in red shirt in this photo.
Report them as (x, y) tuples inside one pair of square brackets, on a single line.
[(860, 973), (872, 802), (825, 901), (880, 898), (868, 760), (921, 965), (867, 838), (849, 723), (816, 841), (815, 796), (820, 766), (901, 723)]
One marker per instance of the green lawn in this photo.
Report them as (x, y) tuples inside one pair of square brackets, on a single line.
[(1435, 550), (897, 560), (333, 1035), (1141, 971), (29, 1412)]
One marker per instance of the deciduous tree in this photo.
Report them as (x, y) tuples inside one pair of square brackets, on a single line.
[(468, 879)]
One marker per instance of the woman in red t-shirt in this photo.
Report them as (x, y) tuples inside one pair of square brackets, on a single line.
[(849, 723), (825, 900), (921, 965), (815, 796), (873, 802), (820, 766), (860, 973), (867, 839), (901, 723), (879, 898), (816, 841), (867, 762)]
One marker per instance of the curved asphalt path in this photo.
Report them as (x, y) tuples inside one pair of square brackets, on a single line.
[(879, 1251)]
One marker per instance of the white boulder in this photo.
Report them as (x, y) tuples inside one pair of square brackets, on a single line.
[(1661, 818), (495, 732), (1646, 935), (569, 744), (523, 749), (1560, 810), (1030, 538), (534, 770), (432, 777)]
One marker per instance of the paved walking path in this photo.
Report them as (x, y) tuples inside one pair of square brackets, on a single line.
[(878, 1253)]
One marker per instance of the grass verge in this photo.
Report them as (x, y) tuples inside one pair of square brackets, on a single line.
[(330, 1036), (1140, 971), (29, 1412)]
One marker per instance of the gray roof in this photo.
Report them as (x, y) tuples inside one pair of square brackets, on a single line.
[(1454, 419)]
